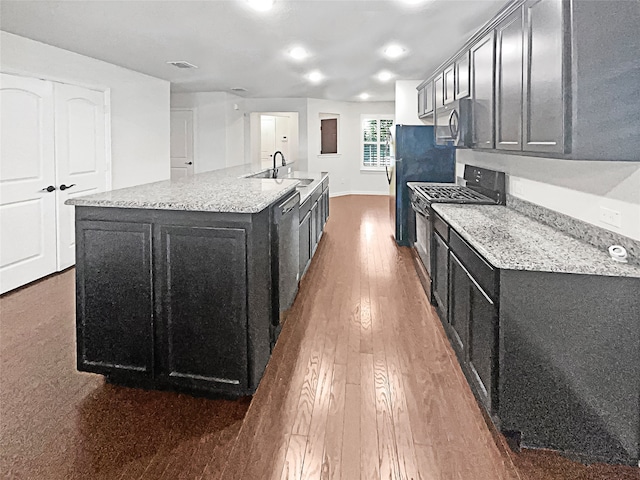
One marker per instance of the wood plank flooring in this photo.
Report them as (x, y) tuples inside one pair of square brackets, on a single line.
[(362, 385)]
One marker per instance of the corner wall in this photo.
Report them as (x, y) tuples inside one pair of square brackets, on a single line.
[(139, 104)]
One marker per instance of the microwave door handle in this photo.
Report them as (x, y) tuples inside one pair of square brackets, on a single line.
[(453, 124)]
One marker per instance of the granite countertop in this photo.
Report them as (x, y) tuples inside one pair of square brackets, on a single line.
[(226, 190), (510, 240)]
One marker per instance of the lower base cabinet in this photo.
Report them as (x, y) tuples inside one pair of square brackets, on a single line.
[(174, 300), (312, 223), (552, 357)]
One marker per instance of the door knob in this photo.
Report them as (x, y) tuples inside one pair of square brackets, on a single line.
[(49, 189), (64, 187), (188, 163)]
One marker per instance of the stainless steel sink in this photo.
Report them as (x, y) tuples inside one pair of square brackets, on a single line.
[(303, 181), (265, 174)]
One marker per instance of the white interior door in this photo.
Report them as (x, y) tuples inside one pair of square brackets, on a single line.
[(81, 160), (27, 209), (282, 136), (267, 139), (181, 143)]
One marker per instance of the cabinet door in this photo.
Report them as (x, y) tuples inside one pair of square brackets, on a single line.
[(459, 307), (462, 76), (449, 84), (421, 104), (201, 275), (509, 83), (428, 98), (543, 104), (438, 94), (305, 243), (482, 344), (325, 211), (482, 63), (319, 215), (315, 234), (115, 316), (440, 276)]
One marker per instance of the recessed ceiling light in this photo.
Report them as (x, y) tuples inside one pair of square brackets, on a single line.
[(394, 51), (384, 76), (364, 96), (182, 64), (315, 76), (298, 53), (260, 5)]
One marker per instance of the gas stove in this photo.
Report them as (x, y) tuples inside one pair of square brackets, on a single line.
[(451, 194)]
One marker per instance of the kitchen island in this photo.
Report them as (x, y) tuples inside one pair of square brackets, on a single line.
[(177, 281), (546, 328)]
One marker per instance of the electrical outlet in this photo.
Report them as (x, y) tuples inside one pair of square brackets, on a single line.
[(610, 217), (516, 186)]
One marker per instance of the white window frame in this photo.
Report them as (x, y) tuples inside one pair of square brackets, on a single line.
[(381, 164)]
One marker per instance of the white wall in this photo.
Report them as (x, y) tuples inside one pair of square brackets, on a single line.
[(407, 103), (344, 168), (575, 188), (139, 104)]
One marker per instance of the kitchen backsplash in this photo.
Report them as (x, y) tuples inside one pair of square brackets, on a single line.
[(587, 232)]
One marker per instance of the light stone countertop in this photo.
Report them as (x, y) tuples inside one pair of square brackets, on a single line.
[(224, 191), (510, 240)]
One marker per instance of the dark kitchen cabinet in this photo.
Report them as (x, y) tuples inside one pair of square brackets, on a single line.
[(428, 98), (483, 336), (509, 64), (543, 96), (462, 73), (459, 307), (449, 84), (482, 79), (305, 243), (173, 299), (202, 328), (440, 275), (325, 204), (114, 297), (438, 94)]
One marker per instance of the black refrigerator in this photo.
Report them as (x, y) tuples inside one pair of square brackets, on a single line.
[(417, 159)]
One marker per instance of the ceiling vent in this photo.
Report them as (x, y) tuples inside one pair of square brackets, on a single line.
[(238, 89), (182, 64)]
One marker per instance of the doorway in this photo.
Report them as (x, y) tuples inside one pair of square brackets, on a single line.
[(272, 132)]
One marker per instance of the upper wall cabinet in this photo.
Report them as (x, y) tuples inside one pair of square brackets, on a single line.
[(482, 68), (449, 83), (543, 106), (425, 100), (554, 78), (508, 95), (462, 75)]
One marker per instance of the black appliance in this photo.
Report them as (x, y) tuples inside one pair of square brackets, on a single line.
[(482, 186), (453, 123), (417, 159)]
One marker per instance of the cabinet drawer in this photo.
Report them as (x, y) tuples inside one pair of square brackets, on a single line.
[(305, 208), (441, 227), (483, 273), (315, 195)]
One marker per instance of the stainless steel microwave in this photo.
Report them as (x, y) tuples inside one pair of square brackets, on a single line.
[(453, 123)]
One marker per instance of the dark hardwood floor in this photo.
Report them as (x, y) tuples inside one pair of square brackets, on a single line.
[(362, 384)]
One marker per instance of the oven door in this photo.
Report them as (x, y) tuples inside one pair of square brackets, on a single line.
[(423, 237)]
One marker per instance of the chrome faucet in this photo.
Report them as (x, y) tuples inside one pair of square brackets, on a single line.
[(275, 169)]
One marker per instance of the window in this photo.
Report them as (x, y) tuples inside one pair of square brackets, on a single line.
[(329, 134), (376, 138)]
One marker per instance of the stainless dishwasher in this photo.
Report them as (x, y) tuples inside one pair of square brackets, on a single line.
[(285, 258)]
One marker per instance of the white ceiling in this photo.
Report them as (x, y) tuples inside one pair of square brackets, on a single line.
[(235, 46)]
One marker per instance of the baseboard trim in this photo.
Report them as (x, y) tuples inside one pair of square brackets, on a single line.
[(343, 194)]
